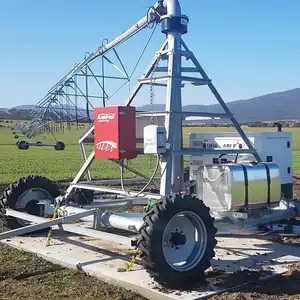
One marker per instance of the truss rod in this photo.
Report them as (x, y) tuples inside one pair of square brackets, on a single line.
[(150, 18)]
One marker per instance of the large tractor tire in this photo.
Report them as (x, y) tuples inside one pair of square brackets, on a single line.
[(2, 214), (177, 241), (24, 194)]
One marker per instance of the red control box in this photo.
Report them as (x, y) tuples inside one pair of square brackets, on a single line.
[(115, 132)]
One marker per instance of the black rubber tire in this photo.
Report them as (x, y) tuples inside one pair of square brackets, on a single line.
[(23, 145), (82, 197), (151, 235), (16, 189), (3, 220), (60, 146)]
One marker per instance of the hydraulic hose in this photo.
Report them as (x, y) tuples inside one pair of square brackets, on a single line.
[(148, 183)]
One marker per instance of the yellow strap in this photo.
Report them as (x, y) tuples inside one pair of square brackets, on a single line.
[(53, 217), (130, 265)]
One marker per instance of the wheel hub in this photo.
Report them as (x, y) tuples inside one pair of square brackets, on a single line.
[(177, 239), (28, 202), (184, 241)]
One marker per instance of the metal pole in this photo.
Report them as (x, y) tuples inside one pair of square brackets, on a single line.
[(172, 165), (103, 83), (87, 95)]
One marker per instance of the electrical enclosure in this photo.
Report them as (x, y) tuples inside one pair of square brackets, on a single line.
[(115, 132), (272, 147), (154, 139)]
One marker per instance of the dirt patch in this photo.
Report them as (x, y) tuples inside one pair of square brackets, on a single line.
[(292, 240), (296, 186), (25, 276), (285, 287)]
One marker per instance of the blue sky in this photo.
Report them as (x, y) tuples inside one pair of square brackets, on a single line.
[(248, 48)]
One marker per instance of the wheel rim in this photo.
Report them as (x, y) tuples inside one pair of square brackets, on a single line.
[(30, 196), (184, 241)]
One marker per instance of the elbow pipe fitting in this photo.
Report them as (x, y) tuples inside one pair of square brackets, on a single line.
[(173, 7), (174, 21)]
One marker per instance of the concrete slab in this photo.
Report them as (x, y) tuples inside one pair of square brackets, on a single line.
[(104, 259)]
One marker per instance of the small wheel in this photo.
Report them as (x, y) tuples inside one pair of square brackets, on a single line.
[(60, 146), (16, 136), (23, 145), (177, 241), (24, 194)]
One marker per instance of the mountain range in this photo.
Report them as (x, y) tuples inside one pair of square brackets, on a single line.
[(276, 106)]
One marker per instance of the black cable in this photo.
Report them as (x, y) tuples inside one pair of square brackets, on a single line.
[(143, 52)]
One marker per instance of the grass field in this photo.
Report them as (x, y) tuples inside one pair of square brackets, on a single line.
[(57, 165), (25, 276)]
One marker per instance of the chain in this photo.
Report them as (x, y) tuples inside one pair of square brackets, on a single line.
[(152, 95), (132, 262), (55, 214)]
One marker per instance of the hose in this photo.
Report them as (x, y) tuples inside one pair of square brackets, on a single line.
[(148, 183), (213, 180)]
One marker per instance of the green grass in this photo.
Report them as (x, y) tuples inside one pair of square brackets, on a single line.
[(58, 165)]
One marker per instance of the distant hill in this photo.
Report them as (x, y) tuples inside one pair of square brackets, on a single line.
[(23, 107), (276, 106)]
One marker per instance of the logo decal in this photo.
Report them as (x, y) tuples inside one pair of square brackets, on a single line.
[(105, 118), (106, 146)]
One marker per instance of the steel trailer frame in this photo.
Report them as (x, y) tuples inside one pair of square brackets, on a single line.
[(173, 50)]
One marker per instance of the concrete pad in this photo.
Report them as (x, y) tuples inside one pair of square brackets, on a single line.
[(104, 259)]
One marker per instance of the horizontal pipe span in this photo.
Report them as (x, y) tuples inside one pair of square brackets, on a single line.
[(129, 222), (114, 191), (126, 222), (116, 203), (117, 181)]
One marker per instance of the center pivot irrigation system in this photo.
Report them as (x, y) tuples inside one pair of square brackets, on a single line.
[(239, 181)]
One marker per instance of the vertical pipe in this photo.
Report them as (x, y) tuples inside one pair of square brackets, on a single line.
[(76, 102), (172, 179), (87, 94), (103, 82), (172, 165)]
